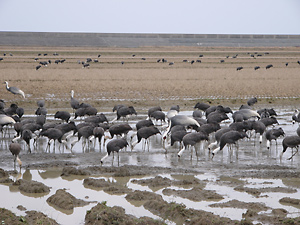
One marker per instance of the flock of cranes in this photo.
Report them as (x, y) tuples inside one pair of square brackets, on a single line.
[(206, 125), (87, 62)]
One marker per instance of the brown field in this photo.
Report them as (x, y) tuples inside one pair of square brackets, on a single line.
[(146, 82)]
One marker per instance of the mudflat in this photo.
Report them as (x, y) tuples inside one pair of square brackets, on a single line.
[(138, 76)]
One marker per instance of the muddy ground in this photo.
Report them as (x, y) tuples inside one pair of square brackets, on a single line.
[(144, 83)]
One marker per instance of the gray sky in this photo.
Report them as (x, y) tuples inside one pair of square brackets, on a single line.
[(152, 16)]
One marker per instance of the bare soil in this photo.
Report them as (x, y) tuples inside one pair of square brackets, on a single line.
[(145, 83)]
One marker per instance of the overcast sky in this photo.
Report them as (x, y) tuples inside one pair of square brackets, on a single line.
[(152, 16)]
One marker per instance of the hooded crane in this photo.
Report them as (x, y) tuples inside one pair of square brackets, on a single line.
[(74, 102), (145, 132), (292, 141), (53, 134), (114, 145), (230, 137), (15, 149), (191, 139), (124, 112), (15, 90), (273, 134), (63, 115)]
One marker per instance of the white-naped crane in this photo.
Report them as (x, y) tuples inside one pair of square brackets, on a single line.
[(180, 120), (5, 121), (14, 90)]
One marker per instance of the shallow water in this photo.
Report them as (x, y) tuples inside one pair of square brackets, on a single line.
[(249, 154)]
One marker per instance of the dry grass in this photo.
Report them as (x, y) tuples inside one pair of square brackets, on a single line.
[(146, 81)]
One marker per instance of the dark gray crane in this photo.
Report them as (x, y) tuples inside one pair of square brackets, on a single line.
[(15, 149), (113, 146)]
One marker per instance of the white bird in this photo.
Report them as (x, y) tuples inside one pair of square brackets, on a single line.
[(14, 90)]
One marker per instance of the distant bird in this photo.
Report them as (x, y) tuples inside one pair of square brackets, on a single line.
[(38, 67), (252, 101), (269, 66), (86, 65), (14, 90), (292, 141), (286, 64), (41, 103), (257, 67), (15, 149), (239, 68), (202, 106), (113, 146)]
